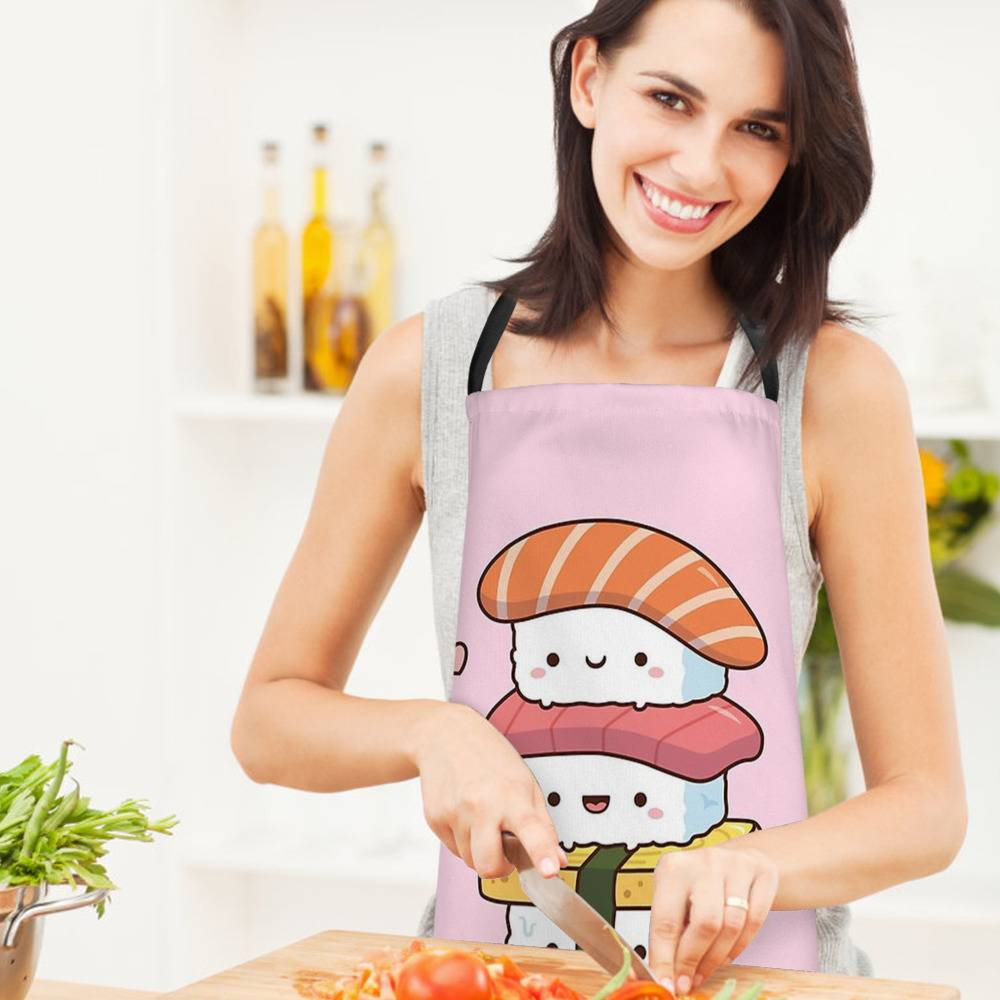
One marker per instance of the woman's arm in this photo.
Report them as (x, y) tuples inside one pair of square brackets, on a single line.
[(294, 725), (871, 538), (870, 529)]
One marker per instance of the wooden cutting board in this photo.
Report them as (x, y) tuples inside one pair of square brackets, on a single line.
[(274, 976), (44, 989)]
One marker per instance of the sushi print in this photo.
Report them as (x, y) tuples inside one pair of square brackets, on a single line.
[(622, 636)]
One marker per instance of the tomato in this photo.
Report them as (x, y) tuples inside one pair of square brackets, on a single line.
[(508, 988), (641, 988), (543, 987), (444, 975)]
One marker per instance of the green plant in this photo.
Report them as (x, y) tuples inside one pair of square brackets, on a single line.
[(45, 837), (960, 499)]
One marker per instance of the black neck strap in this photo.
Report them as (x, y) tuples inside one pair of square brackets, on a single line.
[(503, 308)]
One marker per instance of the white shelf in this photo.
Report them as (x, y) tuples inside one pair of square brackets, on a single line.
[(979, 424), (248, 406), (945, 898), (310, 858), (973, 424)]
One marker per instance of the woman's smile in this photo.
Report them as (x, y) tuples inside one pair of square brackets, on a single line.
[(672, 213)]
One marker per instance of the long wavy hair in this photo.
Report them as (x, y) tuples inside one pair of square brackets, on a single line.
[(775, 270)]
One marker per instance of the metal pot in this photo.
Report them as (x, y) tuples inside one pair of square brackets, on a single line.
[(21, 932)]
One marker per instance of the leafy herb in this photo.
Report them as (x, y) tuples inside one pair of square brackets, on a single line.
[(45, 837)]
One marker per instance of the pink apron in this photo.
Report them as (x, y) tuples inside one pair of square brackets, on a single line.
[(624, 621)]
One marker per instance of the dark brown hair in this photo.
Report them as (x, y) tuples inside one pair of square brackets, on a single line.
[(775, 270)]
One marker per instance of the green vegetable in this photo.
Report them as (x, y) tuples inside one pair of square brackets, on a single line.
[(752, 992), (53, 839), (727, 990), (618, 979)]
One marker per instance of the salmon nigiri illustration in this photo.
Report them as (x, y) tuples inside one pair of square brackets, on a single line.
[(610, 611)]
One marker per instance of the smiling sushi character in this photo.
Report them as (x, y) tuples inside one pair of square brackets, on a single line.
[(622, 637), (618, 779), (611, 611)]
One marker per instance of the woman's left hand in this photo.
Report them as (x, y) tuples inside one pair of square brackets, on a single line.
[(687, 944)]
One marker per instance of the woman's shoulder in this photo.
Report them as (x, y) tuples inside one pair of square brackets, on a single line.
[(848, 373), (855, 407)]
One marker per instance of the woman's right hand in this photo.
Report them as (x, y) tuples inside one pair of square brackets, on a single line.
[(474, 785)]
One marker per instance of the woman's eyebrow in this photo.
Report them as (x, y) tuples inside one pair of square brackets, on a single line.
[(766, 114)]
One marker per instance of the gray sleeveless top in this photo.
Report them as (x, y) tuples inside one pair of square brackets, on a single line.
[(451, 326)]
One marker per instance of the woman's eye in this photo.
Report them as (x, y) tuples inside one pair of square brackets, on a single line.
[(770, 135), (657, 94)]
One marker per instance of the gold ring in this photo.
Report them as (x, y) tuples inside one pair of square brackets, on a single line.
[(738, 901)]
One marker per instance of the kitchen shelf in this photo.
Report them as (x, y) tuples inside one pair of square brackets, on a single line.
[(978, 424), (292, 407), (309, 858), (945, 898)]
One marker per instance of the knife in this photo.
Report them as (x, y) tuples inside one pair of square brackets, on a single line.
[(571, 913)]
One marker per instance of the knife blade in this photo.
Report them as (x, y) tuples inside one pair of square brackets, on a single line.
[(571, 913)]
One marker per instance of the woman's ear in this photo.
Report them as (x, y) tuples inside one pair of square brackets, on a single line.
[(585, 81)]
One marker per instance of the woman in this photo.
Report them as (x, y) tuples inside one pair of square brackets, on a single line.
[(662, 108)]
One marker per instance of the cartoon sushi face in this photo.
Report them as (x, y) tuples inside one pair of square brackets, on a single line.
[(614, 612), (594, 799), (603, 655), (613, 775)]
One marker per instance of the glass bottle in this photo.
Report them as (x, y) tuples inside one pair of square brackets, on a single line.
[(378, 248), (346, 334), (270, 284), (318, 269)]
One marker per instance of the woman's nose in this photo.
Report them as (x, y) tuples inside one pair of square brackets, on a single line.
[(697, 161)]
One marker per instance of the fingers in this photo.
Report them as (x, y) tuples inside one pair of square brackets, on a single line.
[(667, 916), (488, 857), (538, 835), (761, 898), (734, 919), (704, 925)]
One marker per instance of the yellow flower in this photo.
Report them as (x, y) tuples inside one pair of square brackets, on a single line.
[(935, 472)]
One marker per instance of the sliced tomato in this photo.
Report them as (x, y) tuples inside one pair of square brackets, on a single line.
[(446, 974), (543, 987), (508, 988)]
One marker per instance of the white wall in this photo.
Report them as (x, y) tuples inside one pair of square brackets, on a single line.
[(142, 548)]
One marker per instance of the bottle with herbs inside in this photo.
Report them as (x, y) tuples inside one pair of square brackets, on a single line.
[(270, 284), (318, 275), (378, 250)]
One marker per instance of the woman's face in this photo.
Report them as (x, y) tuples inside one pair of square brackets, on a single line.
[(706, 135)]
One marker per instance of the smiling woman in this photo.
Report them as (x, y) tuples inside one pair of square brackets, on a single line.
[(626, 534), (763, 122)]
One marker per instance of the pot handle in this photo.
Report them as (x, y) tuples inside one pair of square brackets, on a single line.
[(43, 907)]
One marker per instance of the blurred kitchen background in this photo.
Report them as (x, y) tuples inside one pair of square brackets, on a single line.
[(152, 497)]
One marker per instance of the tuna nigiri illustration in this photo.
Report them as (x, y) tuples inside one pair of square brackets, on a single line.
[(613, 775), (615, 612)]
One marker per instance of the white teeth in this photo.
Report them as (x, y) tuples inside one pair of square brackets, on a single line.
[(678, 209)]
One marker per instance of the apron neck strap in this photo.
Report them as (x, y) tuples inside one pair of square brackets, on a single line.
[(494, 326), (769, 373), (503, 308)]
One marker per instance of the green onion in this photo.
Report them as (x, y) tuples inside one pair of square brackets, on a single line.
[(727, 990), (618, 979)]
